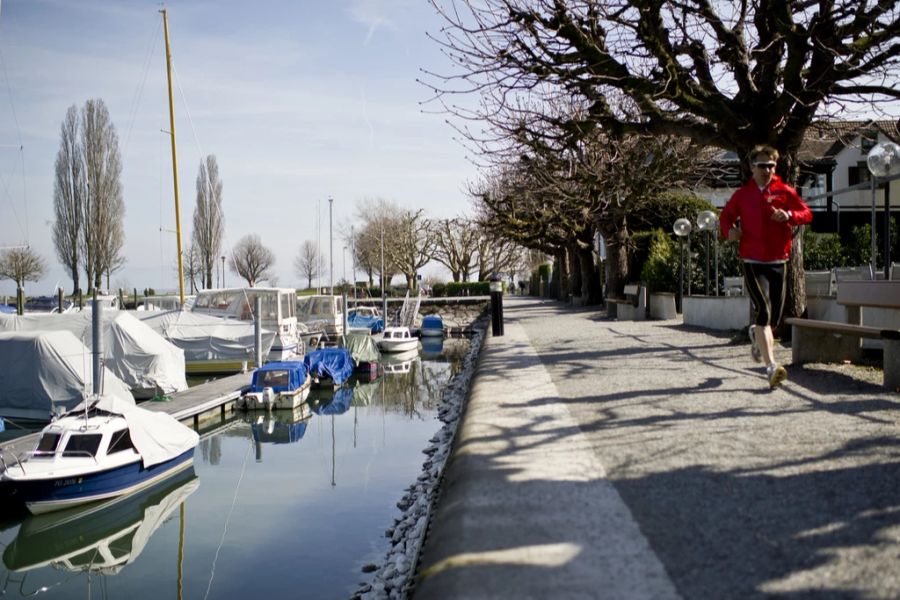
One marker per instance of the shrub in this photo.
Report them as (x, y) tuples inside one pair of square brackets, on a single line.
[(439, 290), (661, 266), (822, 251)]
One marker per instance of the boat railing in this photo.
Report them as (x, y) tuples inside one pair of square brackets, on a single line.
[(5, 466)]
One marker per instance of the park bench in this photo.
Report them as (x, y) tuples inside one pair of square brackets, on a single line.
[(633, 307), (828, 341)]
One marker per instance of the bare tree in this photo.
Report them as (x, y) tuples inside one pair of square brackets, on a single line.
[(193, 269), (306, 262), (69, 193), (380, 219), (456, 242), (103, 210), (21, 265), (412, 245), (209, 220), (251, 260)]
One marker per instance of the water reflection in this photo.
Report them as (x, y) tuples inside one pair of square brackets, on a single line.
[(101, 538)]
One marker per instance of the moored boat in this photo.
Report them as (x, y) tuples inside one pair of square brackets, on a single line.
[(277, 385), (104, 448), (397, 339), (432, 326), (329, 366)]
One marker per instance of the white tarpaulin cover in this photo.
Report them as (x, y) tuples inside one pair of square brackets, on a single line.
[(206, 338), (139, 356), (157, 436), (46, 369)]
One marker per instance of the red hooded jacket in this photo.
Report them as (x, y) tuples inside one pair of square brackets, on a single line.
[(763, 239)]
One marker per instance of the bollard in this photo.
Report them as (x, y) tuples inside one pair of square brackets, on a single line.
[(59, 300), (496, 287), (20, 301)]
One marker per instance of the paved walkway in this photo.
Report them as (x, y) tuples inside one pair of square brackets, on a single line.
[(605, 459)]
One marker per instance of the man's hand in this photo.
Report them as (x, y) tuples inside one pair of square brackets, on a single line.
[(734, 234), (780, 215)]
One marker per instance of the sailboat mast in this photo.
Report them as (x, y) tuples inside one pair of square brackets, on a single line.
[(174, 159)]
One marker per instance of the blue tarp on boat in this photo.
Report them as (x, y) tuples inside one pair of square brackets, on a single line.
[(339, 404), (333, 363), (284, 376), (374, 324), (432, 325)]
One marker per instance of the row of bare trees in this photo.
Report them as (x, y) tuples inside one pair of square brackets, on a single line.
[(398, 241), (582, 112)]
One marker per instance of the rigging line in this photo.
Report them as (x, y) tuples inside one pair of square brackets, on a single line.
[(212, 573), (12, 105), (187, 109), (139, 93)]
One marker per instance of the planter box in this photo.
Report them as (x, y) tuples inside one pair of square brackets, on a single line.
[(662, 306), (716, 312)]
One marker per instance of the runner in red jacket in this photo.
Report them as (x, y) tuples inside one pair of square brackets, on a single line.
[(762, 214)]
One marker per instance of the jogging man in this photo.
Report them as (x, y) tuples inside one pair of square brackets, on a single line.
[(761, 215)]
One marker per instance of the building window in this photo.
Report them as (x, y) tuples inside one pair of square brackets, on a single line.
[(868, 141), (858, 174)]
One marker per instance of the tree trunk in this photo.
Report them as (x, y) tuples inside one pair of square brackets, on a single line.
[(590, 283), (574, 260), (616, 261)]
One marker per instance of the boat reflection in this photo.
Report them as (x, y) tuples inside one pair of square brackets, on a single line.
[(100, 538), (327, 402), (432, 346), (399, 363)]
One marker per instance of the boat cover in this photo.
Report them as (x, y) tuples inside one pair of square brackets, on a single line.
[(334, 363), (432, 322), (339, 404), (284, 376), (157, 436), (139, 356), (362, 347), (205, 337), (47, 369), (372, 323)]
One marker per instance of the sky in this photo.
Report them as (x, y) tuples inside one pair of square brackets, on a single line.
[(299, 100)]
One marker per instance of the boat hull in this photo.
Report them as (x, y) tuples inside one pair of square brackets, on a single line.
[(398, 345), (431, 332), (42, 495)]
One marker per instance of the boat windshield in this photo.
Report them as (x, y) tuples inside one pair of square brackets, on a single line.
[(47, 444), (83, 444), (273, 379), (238, 304)]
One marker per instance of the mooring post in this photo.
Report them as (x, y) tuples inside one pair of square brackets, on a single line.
[(496, 287)]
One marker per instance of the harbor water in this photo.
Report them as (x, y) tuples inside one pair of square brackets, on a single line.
[(288, 504)]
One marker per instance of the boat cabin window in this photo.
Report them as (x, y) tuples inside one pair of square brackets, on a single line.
[(273, 378), (82, 444), (287, 305), (47, 443), (121, 441)]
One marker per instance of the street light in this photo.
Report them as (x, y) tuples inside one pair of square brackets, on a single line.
[(682, 228), (706, 221), (330, 250), (883, 160)]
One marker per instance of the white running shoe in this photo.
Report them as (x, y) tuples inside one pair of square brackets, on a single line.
[(754, 349), (777, 374)]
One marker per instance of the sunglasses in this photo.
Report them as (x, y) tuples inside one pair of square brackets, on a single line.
[(764, 165)]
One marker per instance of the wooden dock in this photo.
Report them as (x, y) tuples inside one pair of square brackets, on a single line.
[(212, 399)]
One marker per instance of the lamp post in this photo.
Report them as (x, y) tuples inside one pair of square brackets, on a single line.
[(883, 160), (223, 270), (344, 265), (706, 221), (682, 228), (330, 250)]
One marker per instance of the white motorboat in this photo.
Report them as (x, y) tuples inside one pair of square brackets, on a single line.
[(277, 385), (278, 314), (397, 339), (104, 448)]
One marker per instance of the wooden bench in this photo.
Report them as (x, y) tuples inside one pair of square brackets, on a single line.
[(633, 307), (827, 341)]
